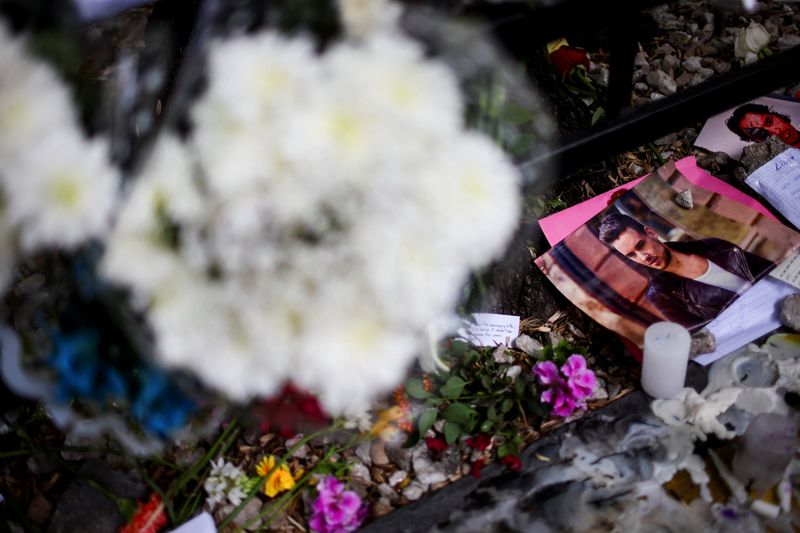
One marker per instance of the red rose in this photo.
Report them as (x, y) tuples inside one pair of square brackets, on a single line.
[(435, 444), (513, 462), (567, 58), (479, 442), (475, 471)]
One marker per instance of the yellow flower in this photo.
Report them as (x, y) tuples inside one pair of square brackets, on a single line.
[(383, 428), (279, 480)]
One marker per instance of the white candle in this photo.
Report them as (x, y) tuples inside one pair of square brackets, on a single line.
[(666, 354)]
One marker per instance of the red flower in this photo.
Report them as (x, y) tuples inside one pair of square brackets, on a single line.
[(567, 58), (149, 517), (475, 471), (291, 411), (479, 442), (513, 463), (435, 444)]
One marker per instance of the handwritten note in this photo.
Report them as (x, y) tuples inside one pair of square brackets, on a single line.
[(788, 271), (779, 182), (490, 329), (753, 314)]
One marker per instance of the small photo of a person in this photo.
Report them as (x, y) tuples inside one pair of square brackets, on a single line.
[(757, 122), (691, 282)]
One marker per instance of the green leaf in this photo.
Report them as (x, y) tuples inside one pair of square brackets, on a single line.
[(453, 388), (459, 348), (470, 357), (487, 426), (503, 450), (459, 413), (506, 406), (515, 114), (486, 381), (451, 432), (491, 413), (427, 419), (415, 389)]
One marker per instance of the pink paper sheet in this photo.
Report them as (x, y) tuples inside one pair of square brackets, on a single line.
[(559, 225)]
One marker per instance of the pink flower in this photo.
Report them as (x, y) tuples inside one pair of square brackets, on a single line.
[(566, 395), (546, 373), (580, 380), (336, 510)]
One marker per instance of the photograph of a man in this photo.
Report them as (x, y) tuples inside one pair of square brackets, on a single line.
[(757, 122), (691, 281)]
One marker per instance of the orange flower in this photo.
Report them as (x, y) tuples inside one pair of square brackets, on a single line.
[(281, 478)]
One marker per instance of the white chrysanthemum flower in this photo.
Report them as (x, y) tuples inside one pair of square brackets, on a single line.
[(353, 352), (63, 198), (365, 17), (225, 482), (470, 190)]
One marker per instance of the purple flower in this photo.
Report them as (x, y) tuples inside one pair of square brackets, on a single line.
[(336, 510), (580, 380), (566, 395)]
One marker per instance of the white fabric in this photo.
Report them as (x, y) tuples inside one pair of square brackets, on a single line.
[(719, 277)]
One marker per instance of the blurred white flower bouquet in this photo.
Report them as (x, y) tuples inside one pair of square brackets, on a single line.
[(322, 211)]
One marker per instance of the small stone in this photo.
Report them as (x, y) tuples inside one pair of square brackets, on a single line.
[(400, 456), (692, 64), (248, 518), (501, 355), (397, 477), (39, 510), (529, 345), (662, 81), (414, 491), (683, 80), (377, 453), (684, 199), (388, 492), (655, 95), (640, 60), (679, 39), (788, 41), (359, 470), (426, 470), (664, 50), (640, 87), (703, 341), (790, 311), (600, 392), (381, 507), (667, 139), (670, 63), (362, 452)]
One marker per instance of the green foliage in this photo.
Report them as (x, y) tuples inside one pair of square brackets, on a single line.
[(561, 351)]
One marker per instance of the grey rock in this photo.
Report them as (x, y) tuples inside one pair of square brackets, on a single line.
[(684, 199), (397, 477), (359, 470), (400, 456), (427, 471), (640, 74), (248, 518), (790, 311), (662, 82), (501, 355), (684, 79), (756, 154), (692, 64), (39, 509), (703, 341), (670, 63), (414, 491), (787, 41), (640, 60), (641, 87), (529, 345), (388, 492), (679, 39), (126, 484), (362, 452), (664, 49), (451, 461), (655, 95), (667, 139)]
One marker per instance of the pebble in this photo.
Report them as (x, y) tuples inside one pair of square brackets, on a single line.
[(248, 518), (360, 471), (703, 341), (501, 355), (529, 345), (362, 452), (377, 453), (790, 311), (670, 63), (684, 199), (401, 456), (641, 87), (662, 81), (788, 41), (397, 477), (39, 510), (414, 491), (381, 507), (640, 60), (426, 471), (692, 64), (679, 39), (386, 491)]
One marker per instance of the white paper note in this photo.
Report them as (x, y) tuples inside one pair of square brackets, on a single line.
[(490, 329), (779, 182), (753, 314), (788, 271), (202, 523)]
